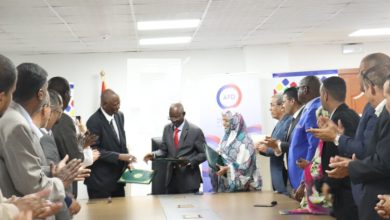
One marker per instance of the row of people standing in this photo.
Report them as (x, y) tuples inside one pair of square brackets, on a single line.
[(338, 155), (42, 155), (28, 113)]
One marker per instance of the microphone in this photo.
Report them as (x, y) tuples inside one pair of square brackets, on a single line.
[(273, 203)]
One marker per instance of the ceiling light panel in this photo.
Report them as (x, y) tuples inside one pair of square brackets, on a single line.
[(370, 32), (168, 24), (165, 40)]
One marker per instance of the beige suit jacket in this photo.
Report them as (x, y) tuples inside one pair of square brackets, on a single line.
[(20, 162)]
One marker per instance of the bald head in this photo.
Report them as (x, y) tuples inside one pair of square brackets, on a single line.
[(110, 101), (177, 106), (176, 114), (309, 88), (374, 59), (107, 95)]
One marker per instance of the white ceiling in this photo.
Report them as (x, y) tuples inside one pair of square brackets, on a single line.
[(80, 26)]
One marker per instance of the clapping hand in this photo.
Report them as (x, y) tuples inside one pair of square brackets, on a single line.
[(340, 166), (261, 148), (82, 173), (383, 206), (302, 163), (327, 130), (36, 202), (89, 139), (67, 172)]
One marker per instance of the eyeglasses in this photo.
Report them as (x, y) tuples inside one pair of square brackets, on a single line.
[(274, 105), (365, 78), (174, 118), (56, 110)]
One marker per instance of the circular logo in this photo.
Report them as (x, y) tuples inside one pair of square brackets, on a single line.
[(138, 175), (229, 96)]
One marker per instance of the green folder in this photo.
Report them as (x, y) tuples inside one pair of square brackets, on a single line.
[(137, 176), (213, 158)]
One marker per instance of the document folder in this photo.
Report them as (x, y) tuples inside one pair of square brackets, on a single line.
[(213, 158), (137, 176)]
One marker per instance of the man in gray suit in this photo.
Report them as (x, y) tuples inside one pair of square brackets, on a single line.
[(10, 208), (47, 140), (20, 143), (185, 141), (50, 115)]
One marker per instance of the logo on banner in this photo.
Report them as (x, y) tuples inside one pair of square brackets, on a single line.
[(229, 96)]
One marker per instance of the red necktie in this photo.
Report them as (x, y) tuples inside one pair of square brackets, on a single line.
[(176, 138)]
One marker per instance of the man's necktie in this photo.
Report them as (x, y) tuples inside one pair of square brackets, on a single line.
[(176, 138), (113, 128)]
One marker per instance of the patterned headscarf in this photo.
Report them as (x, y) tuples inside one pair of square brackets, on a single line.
[(235, 136)]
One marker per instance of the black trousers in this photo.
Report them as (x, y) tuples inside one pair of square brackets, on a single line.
[(177, 184), (119, 191), (344, 207)]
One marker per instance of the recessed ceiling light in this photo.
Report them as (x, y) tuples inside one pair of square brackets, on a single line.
[(370, 32), (168, 24), (165, 40)]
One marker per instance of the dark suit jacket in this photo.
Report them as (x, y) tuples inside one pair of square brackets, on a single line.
[(64, 133), (191, 144), (50, 150), (106, 171), (374, 170), (285, 142), (343, 204), (358, 143), (350, 120), (278, 169)]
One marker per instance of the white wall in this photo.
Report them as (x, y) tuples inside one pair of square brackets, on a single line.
[(261, 61), (84, 69)]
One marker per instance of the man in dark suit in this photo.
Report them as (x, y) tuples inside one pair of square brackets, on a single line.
[(185, 141), (64, 131), (108, 124), (292, 107), (373, 172), (278, 169), (349, 145), (332, 95)]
